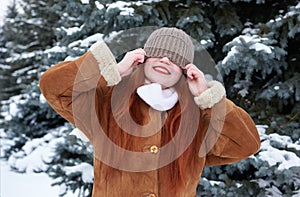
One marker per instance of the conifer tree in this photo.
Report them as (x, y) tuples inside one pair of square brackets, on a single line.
[(257, 53)]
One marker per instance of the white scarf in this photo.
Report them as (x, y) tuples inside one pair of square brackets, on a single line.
[(158, 98)]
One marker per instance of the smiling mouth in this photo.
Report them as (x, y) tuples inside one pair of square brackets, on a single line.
[(162, 70)]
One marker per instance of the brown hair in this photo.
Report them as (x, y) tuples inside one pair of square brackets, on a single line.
[(184, 111)]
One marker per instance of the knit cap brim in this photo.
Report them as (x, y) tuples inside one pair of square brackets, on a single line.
[(172, 43)]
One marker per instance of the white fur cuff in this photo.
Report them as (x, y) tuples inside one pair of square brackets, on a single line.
[(211, 96), (106, 62)]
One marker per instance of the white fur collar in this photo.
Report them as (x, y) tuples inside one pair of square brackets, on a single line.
[(158, 98)]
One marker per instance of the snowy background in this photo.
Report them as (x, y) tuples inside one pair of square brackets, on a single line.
[(3, 9), (14, 184), (274, 170)]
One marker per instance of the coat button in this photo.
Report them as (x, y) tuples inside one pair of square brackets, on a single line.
[(153, 149), (151, 194)]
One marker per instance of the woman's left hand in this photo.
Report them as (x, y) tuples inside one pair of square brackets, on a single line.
[(195, 79)]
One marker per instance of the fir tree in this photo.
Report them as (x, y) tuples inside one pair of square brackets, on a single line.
[(256, 51)]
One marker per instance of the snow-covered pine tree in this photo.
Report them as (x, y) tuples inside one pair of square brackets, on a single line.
[(263, 65), (222, 27), (24, 38), (29, 121), (8, 82), (261, 72)]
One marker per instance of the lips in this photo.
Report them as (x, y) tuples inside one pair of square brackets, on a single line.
[(162, 70)]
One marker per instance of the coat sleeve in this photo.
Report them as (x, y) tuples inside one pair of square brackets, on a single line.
[(231, 134), (71, 87)]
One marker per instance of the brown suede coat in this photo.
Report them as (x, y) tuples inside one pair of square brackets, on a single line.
[(81, 92)]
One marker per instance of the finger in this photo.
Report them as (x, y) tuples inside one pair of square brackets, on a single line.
[(189, 74), (136, 52), (196, 74), (192, 66), (188, 66), (189, 70), (139, 58), (140, 55), (193, 72), (140, 51)]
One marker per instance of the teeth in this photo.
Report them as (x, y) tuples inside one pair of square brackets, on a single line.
[(162, 70)]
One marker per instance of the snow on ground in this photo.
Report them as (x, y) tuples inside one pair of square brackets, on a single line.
[(28, 185)]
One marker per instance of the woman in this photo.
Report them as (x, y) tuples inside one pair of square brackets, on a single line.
[(152, 118)]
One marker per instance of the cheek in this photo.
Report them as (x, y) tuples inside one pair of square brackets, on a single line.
[(177, 69), (147, 70), (176, 77), (173, 79), (150, 74)]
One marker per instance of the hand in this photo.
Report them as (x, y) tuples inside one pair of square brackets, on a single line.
[(195, 79), (130, 60)]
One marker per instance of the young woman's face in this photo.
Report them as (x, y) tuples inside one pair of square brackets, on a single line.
[(162, 71)]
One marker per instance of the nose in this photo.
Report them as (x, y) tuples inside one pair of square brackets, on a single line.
[(165, 60)]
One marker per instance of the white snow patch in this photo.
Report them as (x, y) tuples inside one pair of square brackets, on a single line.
[(4, 67), (250, 31), (35, 153), (33, 184), (238, 185), (42, 99), (112, 35), (252, 42), (71, 30), (79, 134), (233, 51), (278, 19), (87, 42), (56, 49), (13, 109), (273, 156), (24, 55), (118, 4), (203, 42), (128, 11), (295, 145), (85, 1), (5, 143), (27, 184), (123, 6), (274, 191), (10, 107), (213, 183), (86, 170), (284, 159), (99, 6), (261, 47)]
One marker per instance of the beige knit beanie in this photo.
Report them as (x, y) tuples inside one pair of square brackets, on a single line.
[(172, 43)]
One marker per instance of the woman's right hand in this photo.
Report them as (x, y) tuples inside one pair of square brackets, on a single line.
[(130, 60)]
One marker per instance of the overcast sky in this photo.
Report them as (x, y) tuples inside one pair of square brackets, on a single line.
[(3, 8)]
